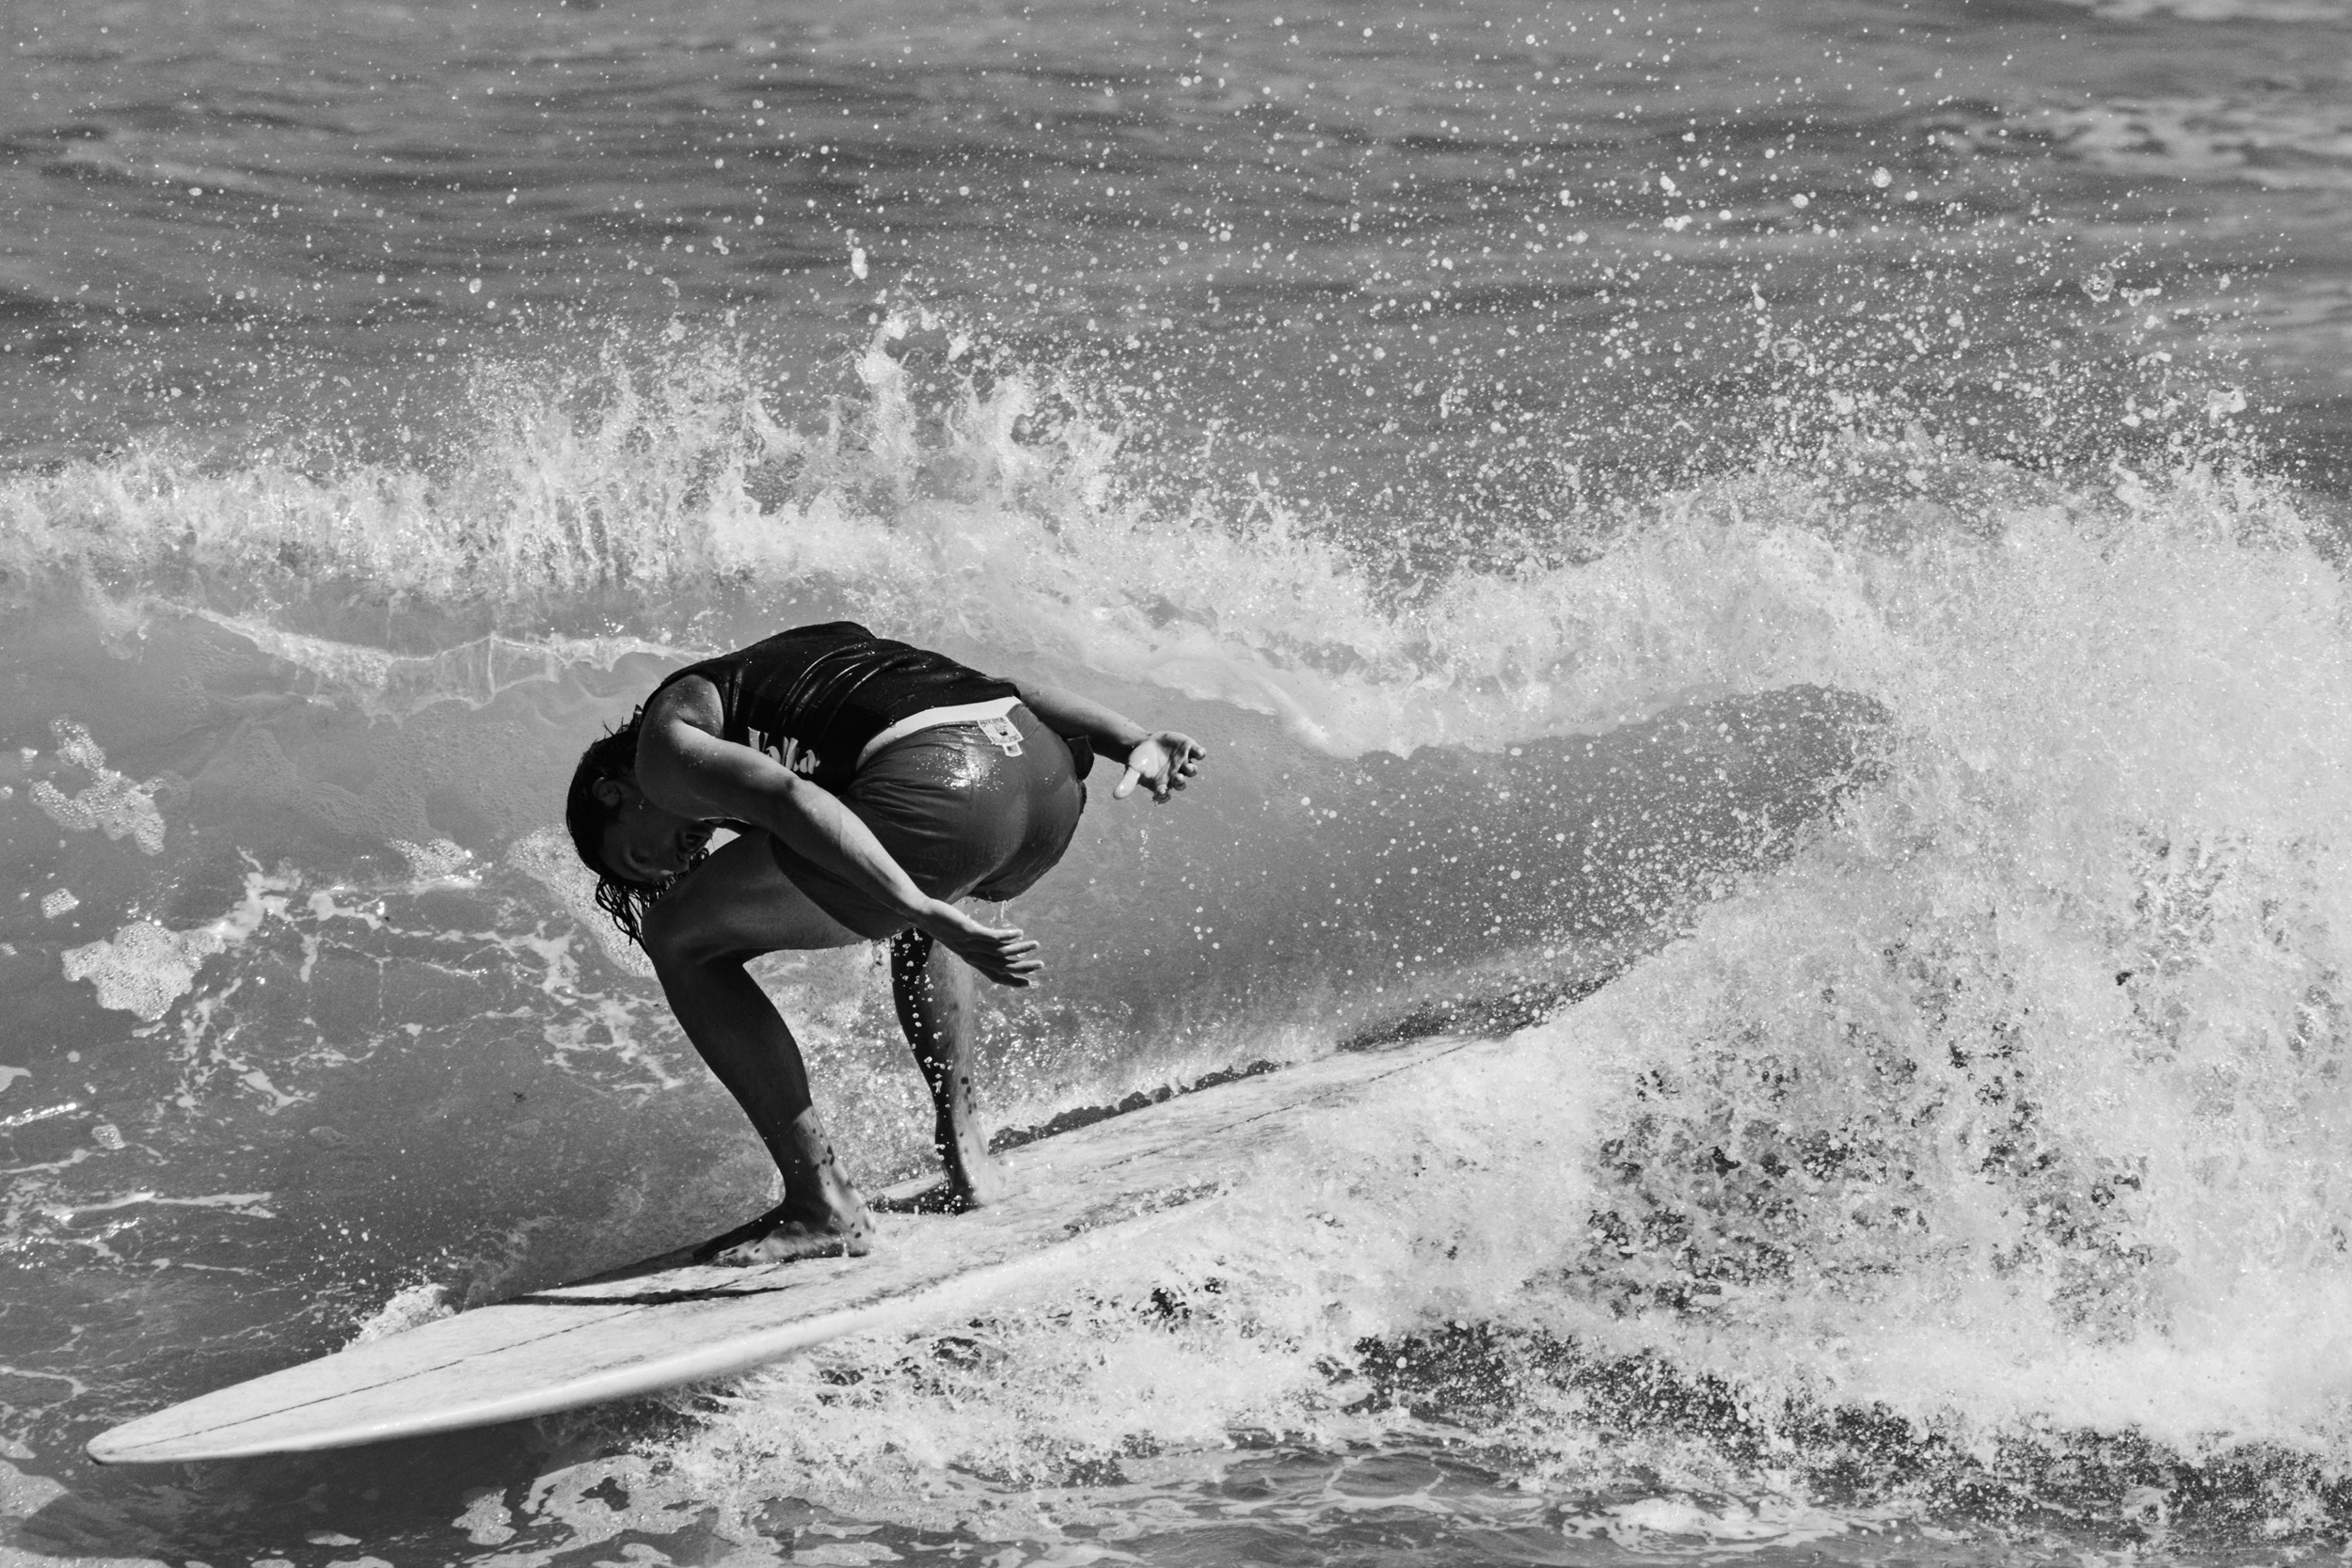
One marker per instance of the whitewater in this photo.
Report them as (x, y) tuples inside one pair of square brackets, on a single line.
[(1786, 570)]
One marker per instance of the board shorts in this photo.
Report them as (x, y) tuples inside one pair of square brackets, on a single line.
[(960, 816)]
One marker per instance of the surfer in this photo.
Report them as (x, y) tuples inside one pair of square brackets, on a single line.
[(872, 784)]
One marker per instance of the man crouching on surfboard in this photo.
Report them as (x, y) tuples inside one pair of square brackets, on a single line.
[(873, 784)]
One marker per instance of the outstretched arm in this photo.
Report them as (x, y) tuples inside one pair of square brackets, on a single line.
[(1161, 760), (682, 766)]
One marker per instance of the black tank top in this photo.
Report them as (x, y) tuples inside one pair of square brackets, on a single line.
[(831, 688)]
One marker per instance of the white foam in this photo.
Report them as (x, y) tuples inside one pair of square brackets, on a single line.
[(474, 673), (2118, 719), (1004, 518), (1672, 1523), (546, 857), (1438, 1201), (145, 967), (110, 803), (442, 863), (2001, 1105), (411, 1307), (249, 1205)]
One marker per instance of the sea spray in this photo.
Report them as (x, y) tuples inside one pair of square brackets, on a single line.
[(671, 501), (2019, 1097), (1879, 1135), (2003, 1118)]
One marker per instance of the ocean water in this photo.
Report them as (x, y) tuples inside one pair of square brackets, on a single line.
[(1786, 562)]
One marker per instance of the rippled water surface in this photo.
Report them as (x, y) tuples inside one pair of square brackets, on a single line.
[(1783, 562)]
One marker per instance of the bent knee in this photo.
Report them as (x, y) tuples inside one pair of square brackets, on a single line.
[(675, 937)]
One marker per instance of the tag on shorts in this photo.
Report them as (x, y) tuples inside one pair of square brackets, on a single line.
[(1003, 734)]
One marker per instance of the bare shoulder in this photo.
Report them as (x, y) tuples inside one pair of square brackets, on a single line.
[(682, 725), (691, 701)]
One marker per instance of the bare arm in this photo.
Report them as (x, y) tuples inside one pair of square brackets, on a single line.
[(683, 766), (1162, 759)]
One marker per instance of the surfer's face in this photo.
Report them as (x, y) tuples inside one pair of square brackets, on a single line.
[(641, 841)]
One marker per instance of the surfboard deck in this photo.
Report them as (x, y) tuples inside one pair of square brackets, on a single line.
[(667, 1320)]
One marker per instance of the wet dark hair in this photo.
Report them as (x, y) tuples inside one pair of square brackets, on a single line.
[(611, 756)]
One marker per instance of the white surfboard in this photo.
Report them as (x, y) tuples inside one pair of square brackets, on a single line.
[(668, 1322)]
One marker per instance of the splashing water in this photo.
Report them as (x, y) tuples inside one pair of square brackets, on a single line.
[(1777, 617), (2005, 1104)]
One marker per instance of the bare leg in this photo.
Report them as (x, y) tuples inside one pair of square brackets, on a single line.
[(729, 910), (933, 990)]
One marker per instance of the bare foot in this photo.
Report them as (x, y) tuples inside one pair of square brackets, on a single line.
[(937, 1198), (975, 1178), (780, 1236), (945, 1197), (822, 1216)]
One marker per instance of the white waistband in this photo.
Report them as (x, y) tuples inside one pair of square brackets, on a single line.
[(931, 718)]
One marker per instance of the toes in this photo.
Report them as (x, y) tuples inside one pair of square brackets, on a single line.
[(786, 1241), (724, 1248)]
